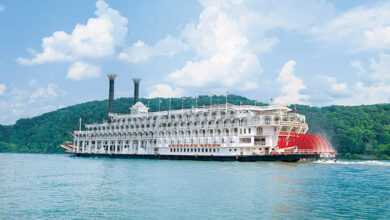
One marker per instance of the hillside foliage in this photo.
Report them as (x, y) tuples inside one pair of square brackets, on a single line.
[(354, 131)]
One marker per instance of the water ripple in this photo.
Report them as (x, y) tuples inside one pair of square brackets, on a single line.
[(58, 186)]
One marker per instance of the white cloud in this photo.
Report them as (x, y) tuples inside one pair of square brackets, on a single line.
[(291, 86), (52, 91), (326, 90), (164, 91), (381, 68), (227, 38), (2, 8), (364, 94), (140, 51), (2, 89), (81, 70), (29, 101), (334, 86), (360, 29), (373, 90), (98, 38), (356, 64), (378, 37), (223, 54)]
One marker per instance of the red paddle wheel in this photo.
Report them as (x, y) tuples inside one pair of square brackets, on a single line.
[(310, 142)]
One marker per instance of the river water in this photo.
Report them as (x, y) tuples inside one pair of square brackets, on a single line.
[(60, 186)]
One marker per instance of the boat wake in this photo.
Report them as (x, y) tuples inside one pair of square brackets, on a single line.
[(365, 162)]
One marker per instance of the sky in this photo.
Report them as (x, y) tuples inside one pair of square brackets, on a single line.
[(57, 53)]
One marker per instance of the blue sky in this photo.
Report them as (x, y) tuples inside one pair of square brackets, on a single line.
[(57, 53)]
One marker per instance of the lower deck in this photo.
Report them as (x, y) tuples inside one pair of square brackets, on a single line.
[(285, 158)]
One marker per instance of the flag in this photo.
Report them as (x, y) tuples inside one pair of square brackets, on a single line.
[(295, 107), (160, 100), (256, 101), (197, 97), (227, 93), (212, 95), (184, 98)]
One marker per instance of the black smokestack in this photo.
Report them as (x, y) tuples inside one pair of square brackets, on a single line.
[(136, 90), (111, 78)]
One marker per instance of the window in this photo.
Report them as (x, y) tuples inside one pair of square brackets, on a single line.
[(245, 140)]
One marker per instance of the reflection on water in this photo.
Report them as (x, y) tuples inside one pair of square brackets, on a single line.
[(288, 164), (58, 186)]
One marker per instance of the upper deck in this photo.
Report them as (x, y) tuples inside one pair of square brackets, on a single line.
[(214, 116)]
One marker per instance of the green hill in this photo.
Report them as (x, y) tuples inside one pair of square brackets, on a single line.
[(355, 131)]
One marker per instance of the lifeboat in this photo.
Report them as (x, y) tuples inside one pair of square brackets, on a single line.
[(67, 146)]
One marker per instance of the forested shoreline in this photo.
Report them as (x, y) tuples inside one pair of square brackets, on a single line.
[(354, 131)]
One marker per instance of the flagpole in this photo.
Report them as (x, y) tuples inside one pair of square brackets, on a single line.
[(182, 104), (159, 104), (196, 102)]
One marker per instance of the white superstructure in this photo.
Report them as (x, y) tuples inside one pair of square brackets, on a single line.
[(220, 130)]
